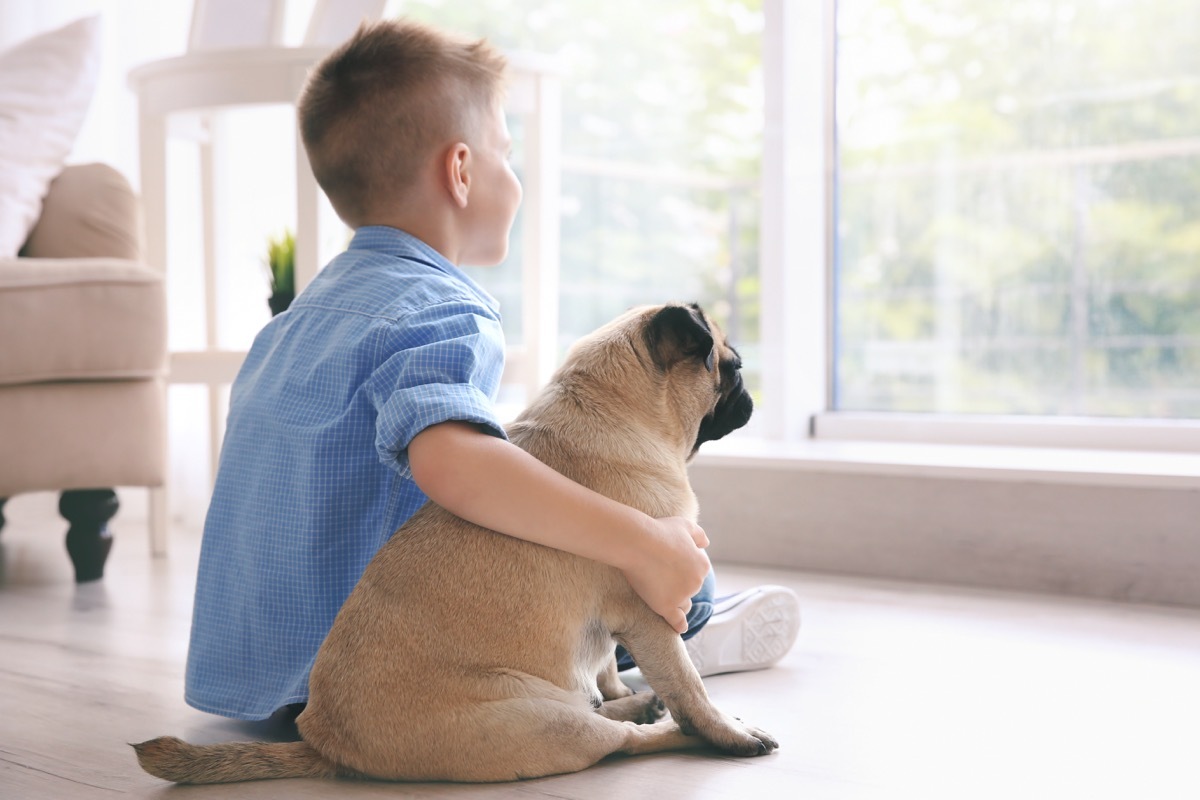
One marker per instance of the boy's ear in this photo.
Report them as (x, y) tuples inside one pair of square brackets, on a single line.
[(676, 333), (457, 173)]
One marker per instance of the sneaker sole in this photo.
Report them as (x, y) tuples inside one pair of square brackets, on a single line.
[(751, 630)]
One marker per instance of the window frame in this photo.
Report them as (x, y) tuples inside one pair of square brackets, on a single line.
[(799, 277)]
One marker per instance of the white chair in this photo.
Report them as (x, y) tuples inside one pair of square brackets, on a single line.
[(225, 24), (229, 24), (333, 21)]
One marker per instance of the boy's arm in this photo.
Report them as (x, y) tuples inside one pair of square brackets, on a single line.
[(497, 485)]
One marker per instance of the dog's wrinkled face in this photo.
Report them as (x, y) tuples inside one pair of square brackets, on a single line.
[(734, 405), (685, 345)]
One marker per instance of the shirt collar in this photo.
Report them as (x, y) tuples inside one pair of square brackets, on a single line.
[(395, 242)]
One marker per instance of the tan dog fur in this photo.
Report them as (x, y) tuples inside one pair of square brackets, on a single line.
[(468, 655)]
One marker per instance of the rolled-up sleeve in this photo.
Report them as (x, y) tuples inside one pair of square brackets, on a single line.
[(446, 366)]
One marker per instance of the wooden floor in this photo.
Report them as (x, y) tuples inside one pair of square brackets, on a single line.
[(892, 691)]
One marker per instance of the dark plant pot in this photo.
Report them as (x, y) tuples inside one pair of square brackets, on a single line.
[(280, 301)]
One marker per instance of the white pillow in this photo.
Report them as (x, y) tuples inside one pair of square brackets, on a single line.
[(46, 85)]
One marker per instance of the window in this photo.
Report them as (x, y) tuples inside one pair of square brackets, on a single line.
[(1018, 207), (1002, 221), (661, 144)]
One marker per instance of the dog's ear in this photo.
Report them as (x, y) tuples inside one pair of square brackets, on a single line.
[(679, 332)]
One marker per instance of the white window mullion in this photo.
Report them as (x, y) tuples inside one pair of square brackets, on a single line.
[(797, 237)]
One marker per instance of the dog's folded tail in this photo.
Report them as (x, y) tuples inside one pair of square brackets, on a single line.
[(175, 760)]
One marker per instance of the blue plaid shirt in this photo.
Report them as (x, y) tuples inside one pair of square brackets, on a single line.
[(389, 339)]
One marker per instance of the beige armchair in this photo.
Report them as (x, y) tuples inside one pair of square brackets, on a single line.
[(82, 361)]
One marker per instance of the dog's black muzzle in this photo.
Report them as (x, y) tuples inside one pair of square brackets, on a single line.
[(732, 411)]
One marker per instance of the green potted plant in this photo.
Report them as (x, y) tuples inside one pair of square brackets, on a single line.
[(281, 271)]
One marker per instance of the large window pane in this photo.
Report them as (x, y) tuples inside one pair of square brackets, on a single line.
[(662, 135), (1018, 207)]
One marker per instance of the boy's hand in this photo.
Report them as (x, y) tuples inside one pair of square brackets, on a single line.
[(670, 569)]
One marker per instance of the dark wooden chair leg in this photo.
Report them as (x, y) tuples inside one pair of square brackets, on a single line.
[(88, 538)]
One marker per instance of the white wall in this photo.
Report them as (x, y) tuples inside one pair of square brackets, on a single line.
[(1131, 543)]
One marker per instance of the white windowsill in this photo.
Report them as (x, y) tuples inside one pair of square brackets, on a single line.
[(1073, 466), (1085, 467)]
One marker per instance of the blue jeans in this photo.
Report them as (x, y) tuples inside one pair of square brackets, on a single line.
[(702, 609)]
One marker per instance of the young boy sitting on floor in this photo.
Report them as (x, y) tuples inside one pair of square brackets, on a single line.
[(375, 390)]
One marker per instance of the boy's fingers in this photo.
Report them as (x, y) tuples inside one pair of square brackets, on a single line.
[(699, 536), (677, 619), (681, 623)]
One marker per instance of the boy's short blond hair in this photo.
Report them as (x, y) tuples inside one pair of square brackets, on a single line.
[(376, 108)]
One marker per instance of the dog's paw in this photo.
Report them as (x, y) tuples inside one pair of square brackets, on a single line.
[(652, 711), (743, 740), (642, 708), (767, 742)]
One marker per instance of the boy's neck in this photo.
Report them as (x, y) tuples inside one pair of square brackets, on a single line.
[(432, 225)]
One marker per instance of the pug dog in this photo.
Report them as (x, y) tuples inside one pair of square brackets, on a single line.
[(466, 655)]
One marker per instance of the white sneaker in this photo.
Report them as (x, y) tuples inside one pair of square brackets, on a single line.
[(749, 630)]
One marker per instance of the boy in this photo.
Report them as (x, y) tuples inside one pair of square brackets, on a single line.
[(375, 389)]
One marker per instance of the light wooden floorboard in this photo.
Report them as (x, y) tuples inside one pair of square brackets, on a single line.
[(892, 691)]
